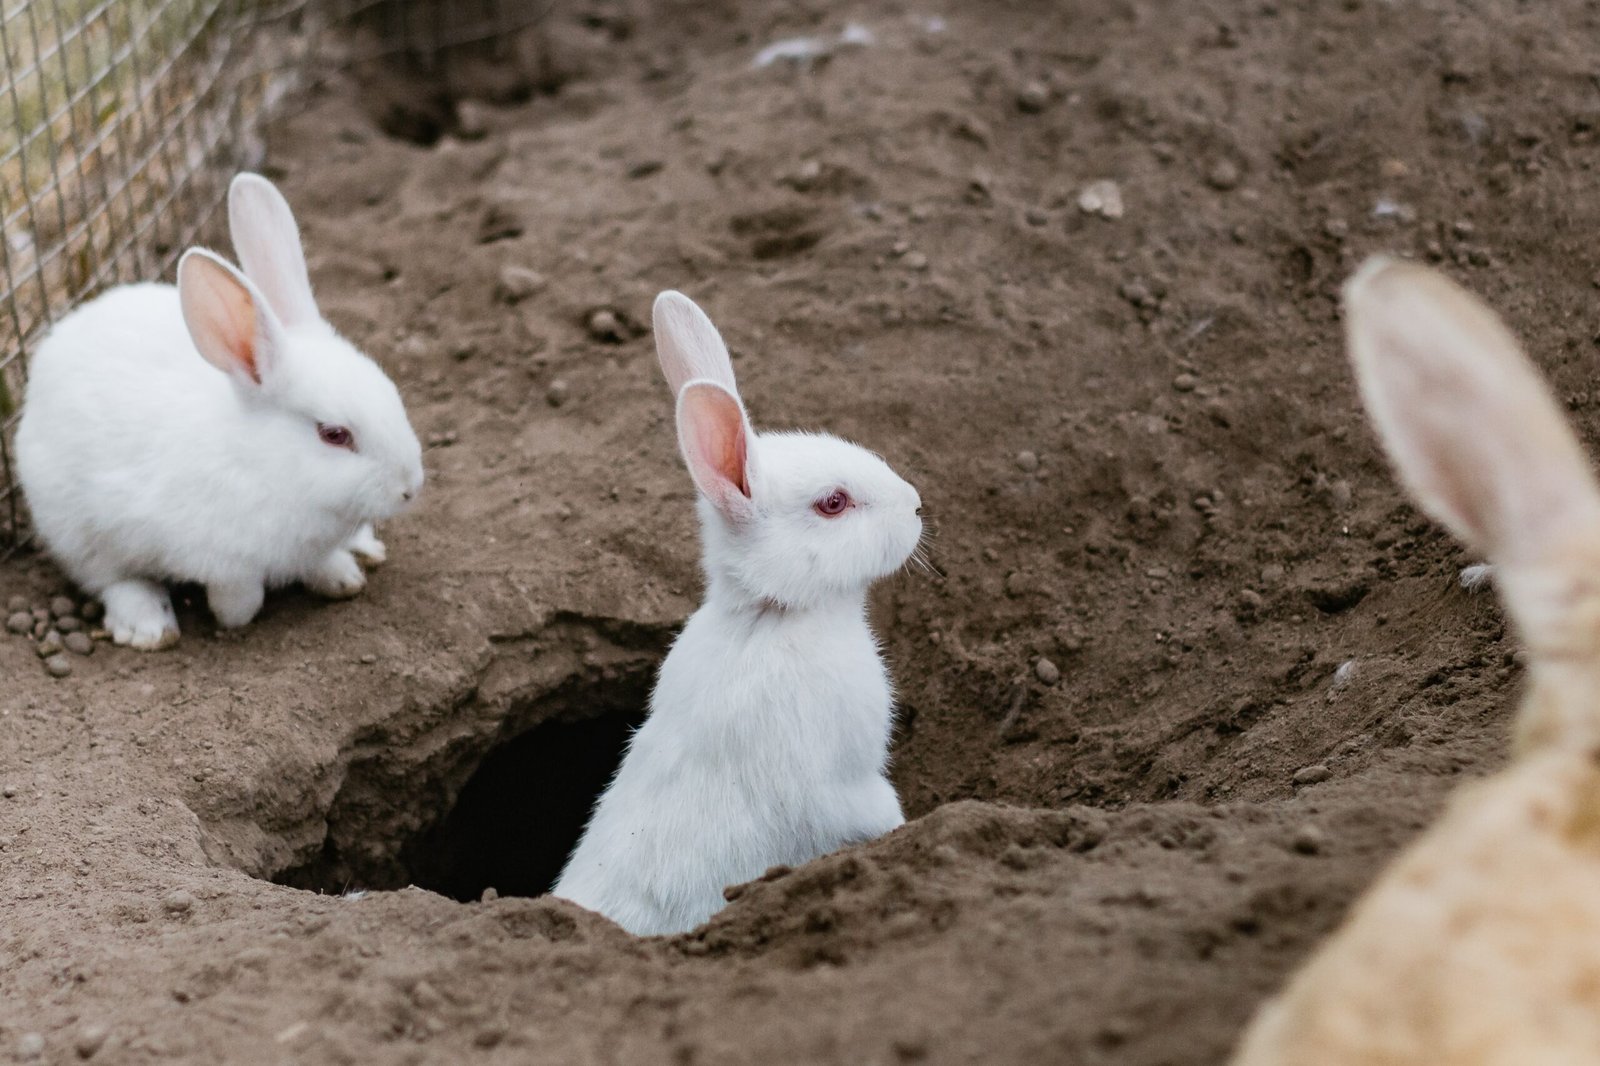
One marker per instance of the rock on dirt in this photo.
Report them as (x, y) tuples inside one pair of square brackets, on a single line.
[(1311, 775), (1223, 175), (1309, 840), (1103, 198), (90, 1039), (605, 325), (1033, 97), (517, 283)]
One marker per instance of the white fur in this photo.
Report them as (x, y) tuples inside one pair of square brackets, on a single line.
[(1477, 577), (147, 460), (768, 736)]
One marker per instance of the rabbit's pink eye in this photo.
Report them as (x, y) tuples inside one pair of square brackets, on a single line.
[(833, 504), (337, 436)]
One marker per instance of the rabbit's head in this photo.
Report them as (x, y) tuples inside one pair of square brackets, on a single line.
[(325, 412), (790, 519)]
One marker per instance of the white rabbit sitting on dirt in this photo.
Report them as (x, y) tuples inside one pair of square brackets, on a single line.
[(1481, 944), (217, 431), (768, 734)]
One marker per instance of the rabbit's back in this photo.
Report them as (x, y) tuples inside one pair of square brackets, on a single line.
[(118, 419)]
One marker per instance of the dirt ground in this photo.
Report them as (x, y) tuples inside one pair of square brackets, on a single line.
[(1139, 441)]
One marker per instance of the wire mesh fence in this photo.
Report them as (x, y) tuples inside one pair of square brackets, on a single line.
[(122, 121)]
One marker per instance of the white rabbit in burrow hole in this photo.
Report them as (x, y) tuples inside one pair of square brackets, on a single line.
[(767, 740), (217, 431)]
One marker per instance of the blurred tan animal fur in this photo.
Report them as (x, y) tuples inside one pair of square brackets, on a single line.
[(1481, 943)]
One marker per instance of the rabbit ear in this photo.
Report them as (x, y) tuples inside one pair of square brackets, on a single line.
[(688, 345), (267, 241), (1473, 430), (715, 437), (227, 318)]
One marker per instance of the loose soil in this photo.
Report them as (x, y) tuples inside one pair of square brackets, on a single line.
[(274, 846)]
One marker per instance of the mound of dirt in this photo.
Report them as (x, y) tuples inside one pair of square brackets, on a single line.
[(1190, 670)]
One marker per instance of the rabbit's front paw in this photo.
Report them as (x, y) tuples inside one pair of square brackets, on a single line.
[(337, 577), (366, 547), (139, 615)]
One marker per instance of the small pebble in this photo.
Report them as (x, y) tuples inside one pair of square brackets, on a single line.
[(1185, 382), (1311, 775), (604, 325), (50, 645), (178, 902), (1033, 97), (1223, 175), (517, 283), (69, 624), (17, 603), (78, 643), (1019, 584), (58, 665), (92, 611), (489, 895), (1137, 293), (472, 120), (556, 394), (1046, 671), (41, 614), (20, 622), (1036, 216), (90, 1039), (916, 261), (1103, 198), (60, 606), (1027, 462), (9, 791), (30, 1046), (368, 659), (1308, 840), (804, 177)]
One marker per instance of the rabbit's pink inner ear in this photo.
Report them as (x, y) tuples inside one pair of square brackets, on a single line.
[(715, 441), (221, 315), (688, 344)]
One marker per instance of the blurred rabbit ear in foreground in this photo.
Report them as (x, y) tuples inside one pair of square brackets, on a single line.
[(1478, 944)]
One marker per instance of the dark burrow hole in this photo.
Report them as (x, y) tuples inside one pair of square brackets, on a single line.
[(520, 815), (509, 824)]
